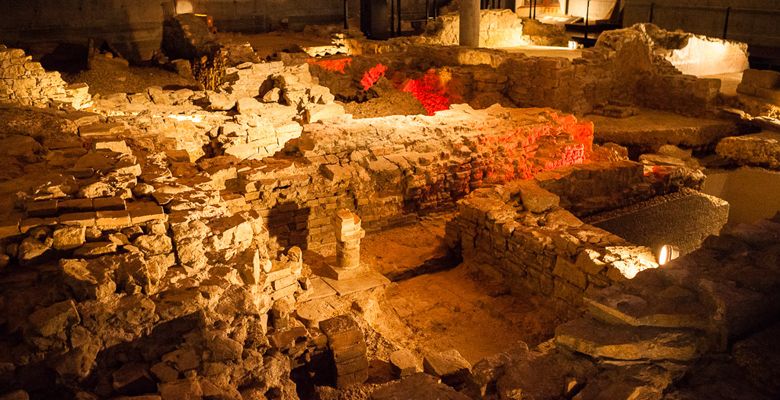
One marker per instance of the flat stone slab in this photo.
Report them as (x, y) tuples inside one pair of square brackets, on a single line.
[(368, 280), (623, 342), (320, 290), (683, 219), (660, 304), (313, 311), (760, 149), (651, 128)]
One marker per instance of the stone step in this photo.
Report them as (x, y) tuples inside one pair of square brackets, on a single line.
[(662, 305), (629, 343)]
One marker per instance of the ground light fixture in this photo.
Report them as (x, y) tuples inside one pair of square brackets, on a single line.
[(667, 253)]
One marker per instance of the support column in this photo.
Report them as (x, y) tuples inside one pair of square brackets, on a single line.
[(469, 23), (346, 225)]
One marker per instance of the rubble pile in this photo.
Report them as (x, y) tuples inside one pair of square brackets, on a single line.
[(105, 285), (25, 82)]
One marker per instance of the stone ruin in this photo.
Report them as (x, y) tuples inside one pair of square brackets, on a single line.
[(182, 243)]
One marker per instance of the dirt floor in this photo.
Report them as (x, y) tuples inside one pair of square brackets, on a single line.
[(268, 44), (108, 76)]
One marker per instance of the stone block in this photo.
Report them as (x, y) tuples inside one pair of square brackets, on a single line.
[(449, 365), (569, 272), (69, 237), (404, 363), (78, 218), (112, 219), (108, 203), (534, 198), (75, 205), (47, 208), (145, 211)]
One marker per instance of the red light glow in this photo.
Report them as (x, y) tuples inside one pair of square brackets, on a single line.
[(338, 65)]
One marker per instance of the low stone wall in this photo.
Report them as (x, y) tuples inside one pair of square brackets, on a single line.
[(621, 67), (25, 82), (520, 230), (697, 55), (392, 167)]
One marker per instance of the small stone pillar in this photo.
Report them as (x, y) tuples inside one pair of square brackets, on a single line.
[(346, 226), (469, 23)]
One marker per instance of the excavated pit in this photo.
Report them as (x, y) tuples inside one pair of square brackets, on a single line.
[(173, 242)]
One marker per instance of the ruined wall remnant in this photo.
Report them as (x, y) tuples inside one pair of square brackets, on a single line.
[(497, 28), (25, 82), (521, 231), (621, 67)]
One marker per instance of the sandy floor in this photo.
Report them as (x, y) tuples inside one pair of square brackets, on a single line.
[(461, 308), (108, 77)]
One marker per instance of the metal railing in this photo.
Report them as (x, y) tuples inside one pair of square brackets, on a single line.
[(727, 12)]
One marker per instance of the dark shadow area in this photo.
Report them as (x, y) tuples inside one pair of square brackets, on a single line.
[(288, 223), (452, 259), (66, 57)]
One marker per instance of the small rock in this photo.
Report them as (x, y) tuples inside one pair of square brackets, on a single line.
[(272, 96), (404, 363), (449, 365), (54, 318), (219, 101), (154, 244), (95, 249)]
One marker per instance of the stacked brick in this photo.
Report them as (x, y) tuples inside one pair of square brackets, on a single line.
[(414, 163), (348, 234), (348, 347), (25, 82)]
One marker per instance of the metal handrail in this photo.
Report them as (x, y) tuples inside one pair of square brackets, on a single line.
[(727, 10), (710, 8)]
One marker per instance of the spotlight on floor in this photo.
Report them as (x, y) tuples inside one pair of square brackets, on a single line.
[(667, 253)]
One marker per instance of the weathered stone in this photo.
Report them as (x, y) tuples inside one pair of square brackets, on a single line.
[(449, 365), (69, 237), (153, 245), (404, 363), (55, 318), (183, 389), (417, 386), (220, 101), (534, 198), (94, 249), (133, 378)]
